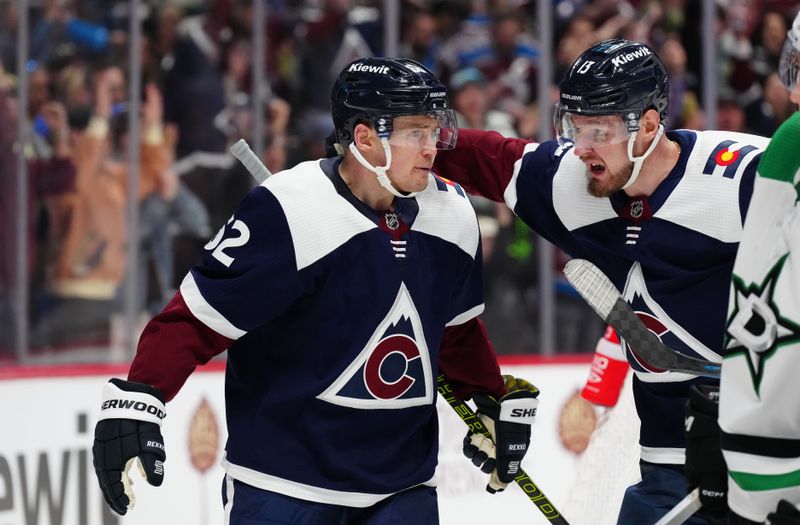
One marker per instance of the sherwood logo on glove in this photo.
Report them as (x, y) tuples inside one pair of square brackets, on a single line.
[(119, 403), (523, 412), (128, 404), (519, 410)]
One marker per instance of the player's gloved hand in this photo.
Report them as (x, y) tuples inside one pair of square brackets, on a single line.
[(128, 432), (509, 420), (705, 467), (785, 514)]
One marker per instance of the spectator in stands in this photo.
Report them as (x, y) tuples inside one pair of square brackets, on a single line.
[(730, 113), (473, 104), (420, 40), (578, 36), (769, 35), (765, 114), (91, 263), (682, 85), (736, 52), (327, 39), (47, 179)]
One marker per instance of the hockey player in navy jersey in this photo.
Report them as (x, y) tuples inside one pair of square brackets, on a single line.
[(340, 288), (659, 212), (759, 397)]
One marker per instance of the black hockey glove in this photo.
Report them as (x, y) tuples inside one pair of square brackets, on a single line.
[(705, 467), (785, 514), (509, 420), (128, 432)]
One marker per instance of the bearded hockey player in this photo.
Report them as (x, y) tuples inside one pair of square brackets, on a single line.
[(659, 212), (340, 288)]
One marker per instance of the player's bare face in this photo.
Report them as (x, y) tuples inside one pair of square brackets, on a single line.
[(413, 142), (601, 144)]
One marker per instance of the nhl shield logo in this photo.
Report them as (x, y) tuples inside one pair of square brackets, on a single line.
[(392, 221), (394, 368), (637, 208)]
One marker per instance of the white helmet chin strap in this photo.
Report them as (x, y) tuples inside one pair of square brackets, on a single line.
[(381, 171), (638, 161)]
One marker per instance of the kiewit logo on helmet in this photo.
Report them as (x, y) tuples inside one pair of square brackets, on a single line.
[(381, 70), (627, 57)]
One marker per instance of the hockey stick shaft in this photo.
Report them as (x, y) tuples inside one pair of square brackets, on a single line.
[(241, 150), (604, 298), (681, 512), (522, 479)]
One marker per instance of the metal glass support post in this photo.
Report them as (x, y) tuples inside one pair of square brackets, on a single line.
[(547, 296), (21, 278), (260, 85), (132, 292)]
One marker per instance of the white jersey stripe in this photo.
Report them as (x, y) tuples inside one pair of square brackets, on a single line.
[(206, 313), (664, 455), (303, 491), (466, 316)]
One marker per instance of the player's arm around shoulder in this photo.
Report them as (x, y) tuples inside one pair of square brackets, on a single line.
[(482, 161)]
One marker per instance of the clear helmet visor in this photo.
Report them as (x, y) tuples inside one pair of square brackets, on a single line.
[(590, 131), (789, 65), (432, 130)]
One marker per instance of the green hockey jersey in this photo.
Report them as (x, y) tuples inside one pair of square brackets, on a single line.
[(760, 382)]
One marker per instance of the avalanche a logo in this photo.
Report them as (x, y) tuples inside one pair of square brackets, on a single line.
[(653, 316), (394, 368), (756, 327)]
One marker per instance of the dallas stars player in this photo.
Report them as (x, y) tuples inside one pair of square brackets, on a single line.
[(759, 412)]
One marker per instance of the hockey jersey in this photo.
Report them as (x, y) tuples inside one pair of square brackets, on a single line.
[(671, 253), (333, 315), (759, 392)]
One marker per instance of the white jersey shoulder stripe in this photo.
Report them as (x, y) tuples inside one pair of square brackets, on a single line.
[(205, 312), (319, 219), (573, 204), (447, 214), (510, 193), (718, 214)]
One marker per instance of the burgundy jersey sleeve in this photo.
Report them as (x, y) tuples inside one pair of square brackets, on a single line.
[(482, 161), (468, 361), (173, 343)]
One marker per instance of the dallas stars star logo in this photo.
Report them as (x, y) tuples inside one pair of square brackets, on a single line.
[(756, 328)]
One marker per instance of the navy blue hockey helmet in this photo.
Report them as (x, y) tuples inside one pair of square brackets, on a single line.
[(615, 77), (374, 90)]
